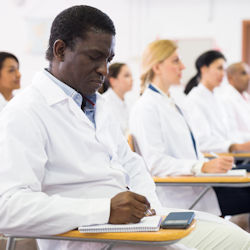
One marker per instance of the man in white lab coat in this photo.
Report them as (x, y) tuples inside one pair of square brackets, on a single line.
[(64, 162), (235, 97)]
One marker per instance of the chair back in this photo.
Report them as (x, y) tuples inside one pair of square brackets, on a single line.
[(131, 142)]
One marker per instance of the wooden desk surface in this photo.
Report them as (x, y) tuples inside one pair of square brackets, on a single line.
[(203, 179), (236, 155), (161, 235)]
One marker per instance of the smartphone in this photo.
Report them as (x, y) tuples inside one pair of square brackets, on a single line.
[(178, 220)]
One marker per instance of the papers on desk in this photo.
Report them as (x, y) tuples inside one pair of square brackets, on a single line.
[(237, 172), (147, 224)]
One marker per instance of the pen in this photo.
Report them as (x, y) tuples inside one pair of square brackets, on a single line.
[(148, 212), (217, 156)]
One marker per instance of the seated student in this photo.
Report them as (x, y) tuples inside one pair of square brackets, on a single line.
[(235, 97), (165, 139), (205, 111), (9, 77), (120, 81), (9, 81), (76, 166)]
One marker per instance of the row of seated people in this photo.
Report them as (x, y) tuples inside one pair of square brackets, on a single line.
[(171, 137), (64, 161), (222, 111)]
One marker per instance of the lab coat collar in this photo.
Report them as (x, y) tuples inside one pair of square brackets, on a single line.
[(164, 96), (204, 89), (115, 97), (234, 92), (51, 92)]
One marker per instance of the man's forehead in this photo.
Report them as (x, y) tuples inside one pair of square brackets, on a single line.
[(98, 40), (101, 43), (242, 67)]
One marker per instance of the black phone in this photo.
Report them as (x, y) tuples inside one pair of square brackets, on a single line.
[(178, 220)]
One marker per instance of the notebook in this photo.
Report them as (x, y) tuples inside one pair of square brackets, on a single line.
[(147, 224), (237, 172)]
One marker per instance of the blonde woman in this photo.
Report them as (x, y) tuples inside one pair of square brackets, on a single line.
[(166, 140)]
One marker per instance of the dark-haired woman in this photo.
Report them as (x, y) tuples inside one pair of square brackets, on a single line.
[(206, 112), (9, 77), (120, 82), (207, 115), (205, 59), (211, 124)]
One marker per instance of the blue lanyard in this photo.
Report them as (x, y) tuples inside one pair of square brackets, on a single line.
[(179, 110)]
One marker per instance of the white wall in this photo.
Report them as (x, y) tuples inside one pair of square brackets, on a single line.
[(24, 26)]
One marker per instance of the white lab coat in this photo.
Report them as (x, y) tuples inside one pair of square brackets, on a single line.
[(165, 144), (3, 102), (118, 108), (237, 105), (210, 121), (57, 171)]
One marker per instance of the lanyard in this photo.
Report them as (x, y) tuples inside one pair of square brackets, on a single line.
[(179, 110)]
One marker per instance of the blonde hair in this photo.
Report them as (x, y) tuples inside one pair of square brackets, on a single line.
[(155, 52)]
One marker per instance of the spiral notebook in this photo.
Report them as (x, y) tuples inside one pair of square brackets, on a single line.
[(147, 224)]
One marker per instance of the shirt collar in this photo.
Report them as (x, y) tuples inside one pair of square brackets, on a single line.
[(77, 97)]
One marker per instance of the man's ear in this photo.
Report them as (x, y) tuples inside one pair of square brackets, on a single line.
[(59, 49)]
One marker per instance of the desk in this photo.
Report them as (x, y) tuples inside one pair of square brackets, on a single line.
[(162, 237), (206, 181), (237, 156)]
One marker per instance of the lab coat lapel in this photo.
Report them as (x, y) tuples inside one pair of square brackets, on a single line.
[(103, 124), (55, 95), (101, 115), (78, 112), (235, 94)]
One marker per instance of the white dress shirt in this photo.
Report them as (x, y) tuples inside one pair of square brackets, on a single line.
[(118, 107), (166, 146), (210, 121)]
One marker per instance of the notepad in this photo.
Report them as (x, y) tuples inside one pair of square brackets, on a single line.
[(237, 172), (147, 224)]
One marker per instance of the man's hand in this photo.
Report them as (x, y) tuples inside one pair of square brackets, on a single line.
[(128, 207), (218, 165)]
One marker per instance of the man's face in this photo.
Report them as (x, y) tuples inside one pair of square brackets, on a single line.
[(241, 77), (85, 66)]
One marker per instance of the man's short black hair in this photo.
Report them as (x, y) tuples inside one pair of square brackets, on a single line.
[(75, 22)]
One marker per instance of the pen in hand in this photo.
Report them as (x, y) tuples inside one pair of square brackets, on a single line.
[(217, 156), (150, 212)]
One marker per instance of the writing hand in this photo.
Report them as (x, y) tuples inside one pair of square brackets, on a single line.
[(128, 207)]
